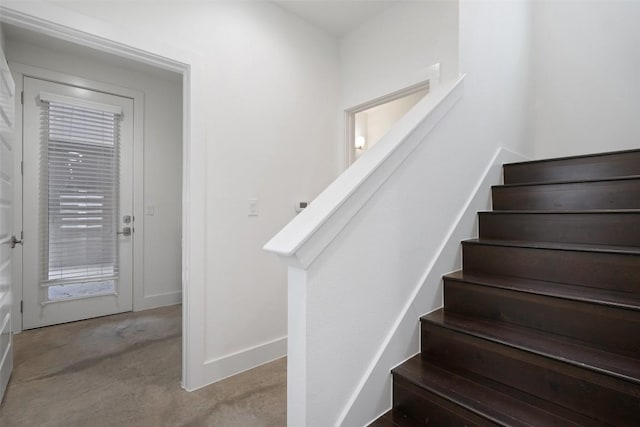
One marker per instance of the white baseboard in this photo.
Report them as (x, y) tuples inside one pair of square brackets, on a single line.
[(156, 301), (217, 369)]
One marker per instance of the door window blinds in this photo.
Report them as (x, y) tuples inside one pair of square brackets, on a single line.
[(79, 166)]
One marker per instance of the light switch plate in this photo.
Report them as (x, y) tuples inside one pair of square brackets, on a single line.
[(253, 207)]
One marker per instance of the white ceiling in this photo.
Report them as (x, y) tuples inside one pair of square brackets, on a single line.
[(337, 17)]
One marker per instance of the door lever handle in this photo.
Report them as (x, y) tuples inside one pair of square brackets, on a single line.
[(14, 241), (126, 231)]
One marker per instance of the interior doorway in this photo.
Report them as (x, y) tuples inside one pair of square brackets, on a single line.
[(176, 62), (152, 211)]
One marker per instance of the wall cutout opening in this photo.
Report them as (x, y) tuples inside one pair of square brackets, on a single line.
[(369, 122)]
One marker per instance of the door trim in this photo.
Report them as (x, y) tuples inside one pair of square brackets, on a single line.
[(52, 29), (19, 72)]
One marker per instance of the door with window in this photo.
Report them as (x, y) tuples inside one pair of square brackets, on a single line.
[(78, 203), (7, 240)]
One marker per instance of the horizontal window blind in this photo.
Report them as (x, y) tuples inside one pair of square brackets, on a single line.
[(79, 194)]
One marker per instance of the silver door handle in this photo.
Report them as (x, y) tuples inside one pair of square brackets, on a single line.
[(14, 241), (126, 231)]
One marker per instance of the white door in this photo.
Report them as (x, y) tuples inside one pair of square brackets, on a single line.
[(7, 124), (77, 203)]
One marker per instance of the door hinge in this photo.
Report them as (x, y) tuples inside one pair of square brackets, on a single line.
[(21, 307), (22, 97), (21, 167)]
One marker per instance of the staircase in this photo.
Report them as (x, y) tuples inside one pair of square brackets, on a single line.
[(542, 325)]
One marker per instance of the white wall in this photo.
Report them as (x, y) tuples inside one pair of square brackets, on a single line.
[(162, 155), (264, 100), (394, 49), (587, 77)]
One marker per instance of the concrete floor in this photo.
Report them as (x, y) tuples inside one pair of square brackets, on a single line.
[(124, 370)]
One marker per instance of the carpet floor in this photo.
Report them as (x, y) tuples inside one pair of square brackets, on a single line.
[(124, 370)]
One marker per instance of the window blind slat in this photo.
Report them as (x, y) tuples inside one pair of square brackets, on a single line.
[(62, 101), (80, 194)]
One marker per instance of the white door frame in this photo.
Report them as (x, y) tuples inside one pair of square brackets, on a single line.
[(44, 19), (19, 72)]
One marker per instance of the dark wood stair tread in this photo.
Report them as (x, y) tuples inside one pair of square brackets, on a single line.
[(579, 247), (611, 193), (569, 181), (394, 419), (589, 265), (605, 226), (600, 165), (553, 346), (575, 157), (383, 421), (599, 296), (475, 396), (567, 212)]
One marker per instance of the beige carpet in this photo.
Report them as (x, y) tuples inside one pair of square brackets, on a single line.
[(124, 370)]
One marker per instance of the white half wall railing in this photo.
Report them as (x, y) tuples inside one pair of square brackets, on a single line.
[(366, 259)]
